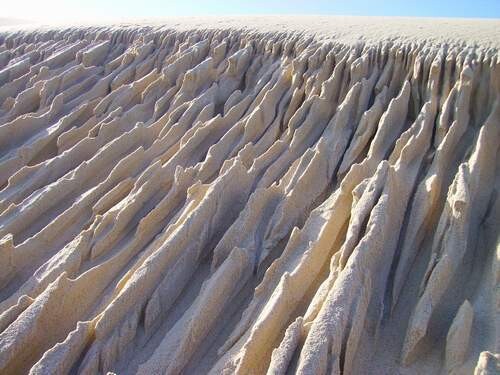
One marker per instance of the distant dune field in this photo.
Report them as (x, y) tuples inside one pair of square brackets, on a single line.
[(280, 195)]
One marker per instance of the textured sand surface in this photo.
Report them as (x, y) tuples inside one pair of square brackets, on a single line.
[(308, 195)]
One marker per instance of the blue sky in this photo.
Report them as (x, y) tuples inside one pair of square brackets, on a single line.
[(61, 9)]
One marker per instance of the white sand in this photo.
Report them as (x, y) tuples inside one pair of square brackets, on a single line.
[(483, 32), (251, 195)]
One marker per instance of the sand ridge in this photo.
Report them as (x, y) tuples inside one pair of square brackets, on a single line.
[(345, 29), (206, 197)]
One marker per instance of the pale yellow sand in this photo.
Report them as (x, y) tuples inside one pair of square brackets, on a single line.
[(481, 32), (280, 195)]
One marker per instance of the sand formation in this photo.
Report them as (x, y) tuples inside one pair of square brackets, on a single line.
[(233, 201)]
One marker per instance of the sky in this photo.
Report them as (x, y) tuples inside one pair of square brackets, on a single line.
[(101, 9)]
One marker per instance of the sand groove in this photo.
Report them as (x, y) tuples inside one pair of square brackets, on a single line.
[(236, 201)]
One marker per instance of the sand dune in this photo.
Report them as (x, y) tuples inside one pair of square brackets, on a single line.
[(206, 197)]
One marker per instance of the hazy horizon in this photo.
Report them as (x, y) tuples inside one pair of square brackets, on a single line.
[(59, 10)]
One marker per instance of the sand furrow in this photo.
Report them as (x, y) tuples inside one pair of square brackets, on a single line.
[(199, 199)]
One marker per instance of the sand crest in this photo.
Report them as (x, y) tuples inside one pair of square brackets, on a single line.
[(308, 195)]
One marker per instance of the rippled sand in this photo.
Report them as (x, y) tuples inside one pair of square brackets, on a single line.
[(280, 195)]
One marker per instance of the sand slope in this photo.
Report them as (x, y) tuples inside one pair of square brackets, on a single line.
[(213, 198)]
